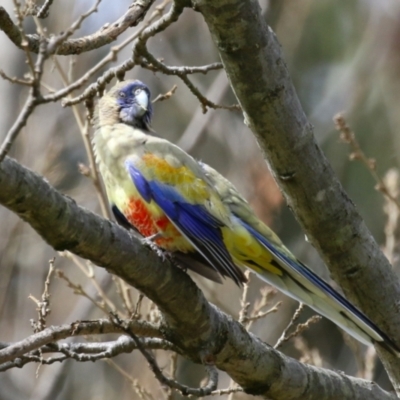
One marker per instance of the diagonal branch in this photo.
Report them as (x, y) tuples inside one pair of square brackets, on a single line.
[(203, 332)]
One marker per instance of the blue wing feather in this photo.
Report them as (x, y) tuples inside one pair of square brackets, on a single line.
[(193, 220), (138, 179)]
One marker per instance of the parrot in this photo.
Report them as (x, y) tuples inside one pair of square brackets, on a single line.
[(187, 209)]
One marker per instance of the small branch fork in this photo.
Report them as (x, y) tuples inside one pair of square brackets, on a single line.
[(212, 372), (28, 349), (84, 352), (43, 305), (299, 328)]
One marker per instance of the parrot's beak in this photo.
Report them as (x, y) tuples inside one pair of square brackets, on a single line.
[(142, 100)]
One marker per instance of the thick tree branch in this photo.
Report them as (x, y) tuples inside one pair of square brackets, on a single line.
[(107, 34), (253, 61), (204, 333)]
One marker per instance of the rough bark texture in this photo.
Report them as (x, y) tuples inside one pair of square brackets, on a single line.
[(258, 75), (198, 328)]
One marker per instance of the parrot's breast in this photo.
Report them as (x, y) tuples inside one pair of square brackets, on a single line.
[(149, 221)]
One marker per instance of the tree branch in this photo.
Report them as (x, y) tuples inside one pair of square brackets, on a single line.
[(107, 34), (200, 330), (258, 75), (81, 352), (55, 333)]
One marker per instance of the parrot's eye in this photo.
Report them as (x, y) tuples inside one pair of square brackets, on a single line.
[(122, 95), (138, 91)]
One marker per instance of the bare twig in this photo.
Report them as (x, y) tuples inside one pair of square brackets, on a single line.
[(43, 305), (165, 96), (256, 312), (84, 352), (23, 82), (21, 14), (124, 344), (221, 392), (295, 317), (54, 333), (34, 98), (45, 9), (308, 355), (20, 122), (136, 313), (391, 182), (172, 372), (172, 383), (123, 291), (193, 132), (369, 363), (104, 305), (302, 327), (139, 390), (146, 60), (355, 347), (348, 136), (244, 303), (258, 315)]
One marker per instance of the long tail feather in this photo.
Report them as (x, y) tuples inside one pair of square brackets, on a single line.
[(299, 282)]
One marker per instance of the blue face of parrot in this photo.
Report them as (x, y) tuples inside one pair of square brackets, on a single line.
[(135, 105)]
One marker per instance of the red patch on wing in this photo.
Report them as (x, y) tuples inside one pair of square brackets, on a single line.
[(141, 218), (138, 215), (163, 223)]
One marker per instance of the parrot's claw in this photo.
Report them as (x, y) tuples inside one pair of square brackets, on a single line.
[(152, 238), (170, 257), (159, 252), (149, 241)]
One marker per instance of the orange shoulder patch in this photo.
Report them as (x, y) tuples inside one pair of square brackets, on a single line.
[(182, 178)]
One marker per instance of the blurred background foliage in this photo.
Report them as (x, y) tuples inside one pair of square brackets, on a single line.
[(343, 56)]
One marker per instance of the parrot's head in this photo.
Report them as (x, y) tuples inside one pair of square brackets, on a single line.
[(127, 102)]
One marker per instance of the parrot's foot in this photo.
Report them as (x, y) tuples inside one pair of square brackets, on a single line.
[(160, 253), (149, 241), (171, 258)]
